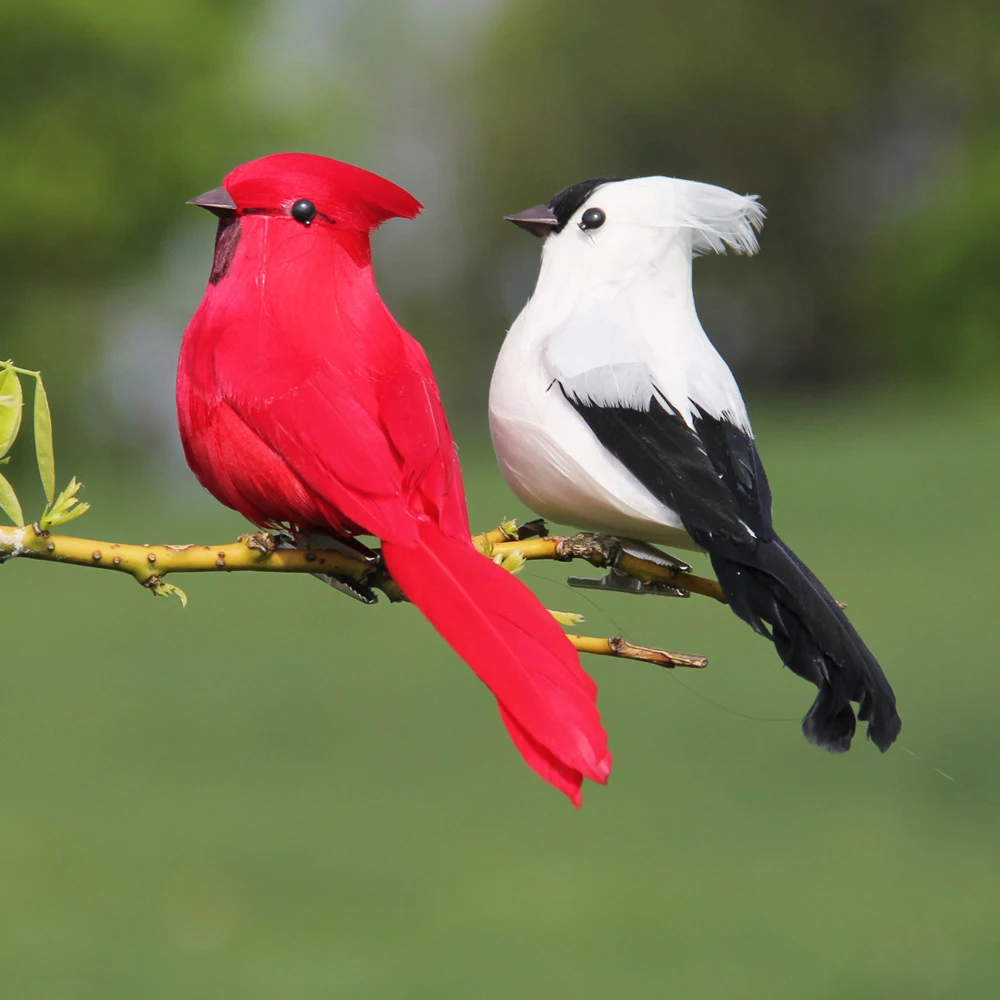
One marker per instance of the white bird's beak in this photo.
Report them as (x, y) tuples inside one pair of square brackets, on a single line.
[(539, 220)]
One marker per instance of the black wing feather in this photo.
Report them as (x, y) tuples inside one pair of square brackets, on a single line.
[(712, 476)]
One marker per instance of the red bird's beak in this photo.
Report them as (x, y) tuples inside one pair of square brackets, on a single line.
[(539, 221), (218, 201)]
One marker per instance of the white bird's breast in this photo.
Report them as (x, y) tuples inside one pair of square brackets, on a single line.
[(553, 461)]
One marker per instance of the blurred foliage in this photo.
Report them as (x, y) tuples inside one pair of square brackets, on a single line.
[(278, 792), (116, 113), (869, 129), (938, 308)]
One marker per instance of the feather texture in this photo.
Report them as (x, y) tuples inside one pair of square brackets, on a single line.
[(303, 403), (719, 219), (611, 410), (490, 619), (712, 476)]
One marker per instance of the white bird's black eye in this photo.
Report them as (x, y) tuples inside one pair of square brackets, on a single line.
[(593, 218), (304, 211)]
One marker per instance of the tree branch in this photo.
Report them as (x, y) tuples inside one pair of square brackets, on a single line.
[(259, 552)]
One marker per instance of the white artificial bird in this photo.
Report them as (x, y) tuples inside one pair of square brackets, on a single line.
[(611, 410)]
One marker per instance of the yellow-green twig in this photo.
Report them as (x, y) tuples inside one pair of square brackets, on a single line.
[(604, 551), (146, 561), (149, 564)]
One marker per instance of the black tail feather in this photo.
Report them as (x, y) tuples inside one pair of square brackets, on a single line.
[(780, 598), (707, 469)]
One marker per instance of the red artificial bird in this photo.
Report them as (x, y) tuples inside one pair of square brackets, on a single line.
[(304, 405)]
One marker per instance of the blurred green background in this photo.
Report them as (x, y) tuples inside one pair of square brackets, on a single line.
[(280, 793)]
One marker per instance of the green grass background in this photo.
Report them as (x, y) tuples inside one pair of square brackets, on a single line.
[(280, 793)]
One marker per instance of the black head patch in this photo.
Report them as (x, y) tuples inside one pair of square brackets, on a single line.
[(566, 203)]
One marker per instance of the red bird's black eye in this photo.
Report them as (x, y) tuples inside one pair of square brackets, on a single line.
[(304, 211)]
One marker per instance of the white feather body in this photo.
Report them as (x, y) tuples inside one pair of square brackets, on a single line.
[(613, 320)]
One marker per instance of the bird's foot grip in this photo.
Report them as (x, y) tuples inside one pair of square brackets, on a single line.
[(620, 582), (360, 590), (352, 588), (352, 547), (377, 575), (649, 553), (532, 529), (265, 543), (599, 549), (510, 531), (621, 555)]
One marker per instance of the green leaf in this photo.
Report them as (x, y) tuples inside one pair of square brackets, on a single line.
[(43, 441), (64, 508), (73, 510), (11, 401), (161, 589), (9, 503)]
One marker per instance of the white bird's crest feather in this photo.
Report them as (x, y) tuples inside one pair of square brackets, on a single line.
[(719, 219), (716, 218)]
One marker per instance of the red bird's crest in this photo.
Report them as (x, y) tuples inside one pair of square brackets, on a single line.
[(349, 196)]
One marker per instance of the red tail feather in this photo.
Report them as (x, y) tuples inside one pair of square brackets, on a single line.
[(516, 648)]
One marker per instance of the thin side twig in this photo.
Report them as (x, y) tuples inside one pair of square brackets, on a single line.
[(622, 648)]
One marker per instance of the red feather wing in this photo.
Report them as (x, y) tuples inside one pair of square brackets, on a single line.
[(339, 450), (414, 419), (377, 451)]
